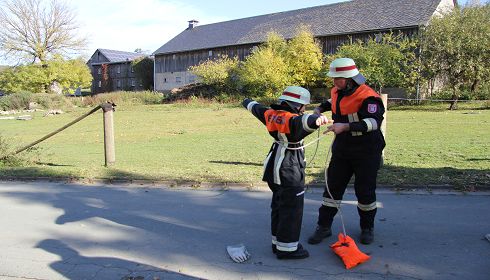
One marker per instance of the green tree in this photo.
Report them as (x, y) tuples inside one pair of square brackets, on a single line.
[(265, 72), (218, 72), (456, 48), (35, 78), (304, 58), (388, 62), (24, 78), (69, 74), (143, 70)]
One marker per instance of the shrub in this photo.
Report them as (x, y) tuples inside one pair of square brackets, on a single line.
[(19, 101), (25, 158), (123, 98)]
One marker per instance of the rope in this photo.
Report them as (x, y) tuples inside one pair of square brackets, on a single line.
[(329, 154), (284, 144)]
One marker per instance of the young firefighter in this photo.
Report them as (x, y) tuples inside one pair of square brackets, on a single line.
[(357, 112), (284, 167)]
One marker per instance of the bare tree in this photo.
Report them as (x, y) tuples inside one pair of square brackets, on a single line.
[(33, 31)]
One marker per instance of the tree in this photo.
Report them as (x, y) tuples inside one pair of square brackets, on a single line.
[(388, 62), (143, 70), (33, 31), (304, 58), (24, 78), (69, 74), (217, 72), (456, 49), (265, 72)]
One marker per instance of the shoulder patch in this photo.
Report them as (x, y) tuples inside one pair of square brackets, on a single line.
[(372, 108)]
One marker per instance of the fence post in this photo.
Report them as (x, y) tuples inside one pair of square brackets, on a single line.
[(384, 98), (110, 154)]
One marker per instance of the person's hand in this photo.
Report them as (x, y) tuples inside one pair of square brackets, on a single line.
[(338, 128), (321, 120)]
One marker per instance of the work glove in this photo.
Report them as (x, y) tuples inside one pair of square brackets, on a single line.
[(238, 253)]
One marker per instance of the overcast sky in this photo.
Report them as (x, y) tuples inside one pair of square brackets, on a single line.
[(148, 24)]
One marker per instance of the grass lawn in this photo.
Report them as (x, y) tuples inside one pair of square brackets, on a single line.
[(222, 143)]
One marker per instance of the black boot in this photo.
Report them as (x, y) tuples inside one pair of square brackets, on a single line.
[(274, 248), (367, 235), (300, 253), (320, 233)]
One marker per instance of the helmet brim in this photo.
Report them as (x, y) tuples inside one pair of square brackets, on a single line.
[(359, 79)]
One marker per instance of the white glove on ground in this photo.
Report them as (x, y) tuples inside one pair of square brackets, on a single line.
[(238, 253)]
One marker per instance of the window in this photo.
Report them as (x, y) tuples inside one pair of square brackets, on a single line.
[(132, 69), (100, 83), (378, 37), (118, 69), (178, 79), (132, 83), (164, 80), (210, 53), (99, 70), (118, 83)]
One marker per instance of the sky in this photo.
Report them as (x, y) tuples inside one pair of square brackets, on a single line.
[(148, 24), (127, 25)]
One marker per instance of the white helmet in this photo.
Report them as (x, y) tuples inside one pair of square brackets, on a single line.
[(345, 68), (295, 94)]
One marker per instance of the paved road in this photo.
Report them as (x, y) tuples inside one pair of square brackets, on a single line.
[(71, 231)]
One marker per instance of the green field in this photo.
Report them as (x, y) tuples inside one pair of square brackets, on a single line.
[(224, 143)]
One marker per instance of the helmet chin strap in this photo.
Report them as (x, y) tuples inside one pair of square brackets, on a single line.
[(294, 106)]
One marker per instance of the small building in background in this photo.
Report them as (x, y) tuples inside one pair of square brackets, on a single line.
[(332, 25), (113, 71)]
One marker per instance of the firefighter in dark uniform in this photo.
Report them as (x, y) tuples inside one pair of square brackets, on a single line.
[(284, 167), (357, 112)]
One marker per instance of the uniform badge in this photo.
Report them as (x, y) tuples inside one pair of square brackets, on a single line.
[(372, 108)]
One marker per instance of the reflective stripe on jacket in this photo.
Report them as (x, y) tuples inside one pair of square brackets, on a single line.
[(283, 166)]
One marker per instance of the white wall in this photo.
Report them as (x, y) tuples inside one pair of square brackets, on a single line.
[(169, 80)]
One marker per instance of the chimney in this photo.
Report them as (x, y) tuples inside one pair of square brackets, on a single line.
[(192, 23)]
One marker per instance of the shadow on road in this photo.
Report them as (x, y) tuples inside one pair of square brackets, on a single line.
[(72, 265)]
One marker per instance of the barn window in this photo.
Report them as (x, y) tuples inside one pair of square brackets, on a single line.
[(178, 79), (118, 69), (99, 70), (164, 80), (378, 37), (210, 53), (132, 83), (118, 83), (100, 83)]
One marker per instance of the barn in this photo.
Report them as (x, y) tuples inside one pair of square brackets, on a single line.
[(332, 25)]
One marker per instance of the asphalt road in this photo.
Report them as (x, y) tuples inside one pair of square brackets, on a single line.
[(73, 231)]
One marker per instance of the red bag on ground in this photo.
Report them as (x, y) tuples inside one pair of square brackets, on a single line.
[(347, 250)]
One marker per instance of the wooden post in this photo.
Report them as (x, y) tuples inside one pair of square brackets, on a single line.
[(384, 98), (110, 154)]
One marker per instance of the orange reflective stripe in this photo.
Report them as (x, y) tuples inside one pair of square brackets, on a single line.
[(278, 120), (352, 103)]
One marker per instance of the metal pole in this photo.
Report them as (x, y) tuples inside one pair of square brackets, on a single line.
[(110, 154)]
